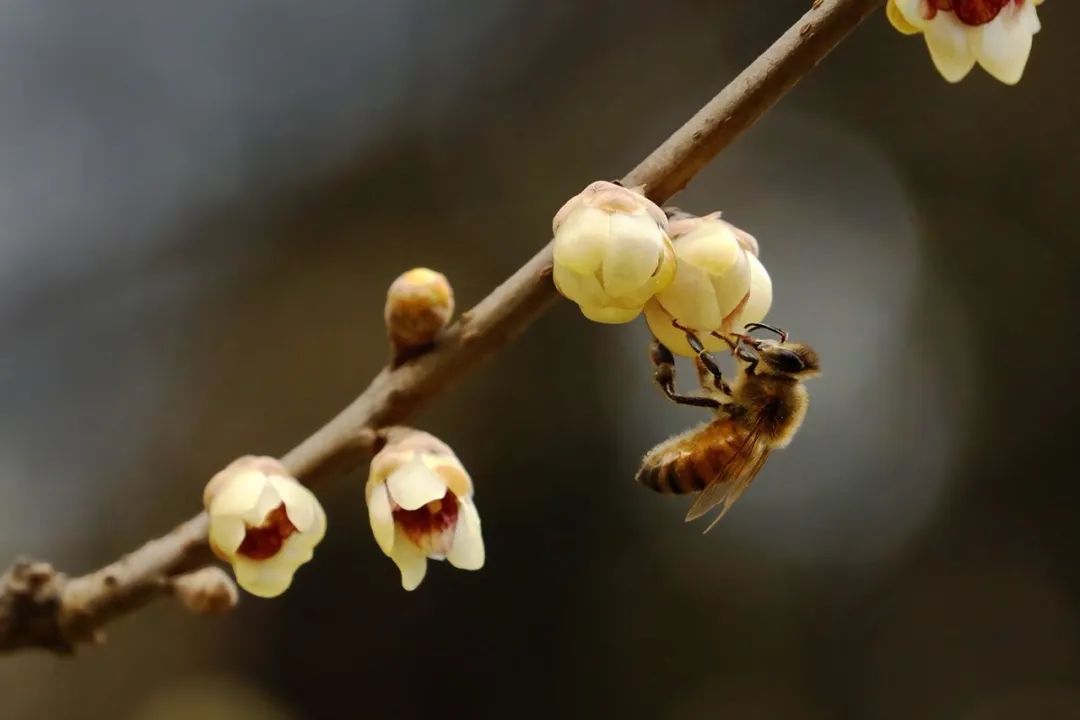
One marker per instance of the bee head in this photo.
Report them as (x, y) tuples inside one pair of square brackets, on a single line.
[(787, 358)]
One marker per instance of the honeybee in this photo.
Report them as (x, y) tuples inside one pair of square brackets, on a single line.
[(758, 412)]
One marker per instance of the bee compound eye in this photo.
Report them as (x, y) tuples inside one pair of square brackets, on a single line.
[(786, 361)]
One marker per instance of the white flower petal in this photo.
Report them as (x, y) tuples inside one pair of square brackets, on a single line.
[(1003, 45), (263, 578), (899, 20), (467, 550), (1031, 19), (731, 287), (227, 532), (268, 501), (300, 503), (296, 550), (238, 494), (452, 471), (582, 289), (381, 516), (761, 295), (691, 298), (911, 11), (410, 561), (674, 339), (414, 484), (385, 462), (609, 315), (947, 39), (582, 241), (711, 246), (633, 256), (317, 531), (594, 303)]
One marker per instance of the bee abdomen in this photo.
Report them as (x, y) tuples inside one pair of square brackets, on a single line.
[(656, 476), (678, 476)]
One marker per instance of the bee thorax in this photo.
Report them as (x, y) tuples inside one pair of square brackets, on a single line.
[(774, 407)]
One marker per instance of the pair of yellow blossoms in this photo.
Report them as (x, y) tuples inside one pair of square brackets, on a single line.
[(996, 34), (265, 524), (617, 254)]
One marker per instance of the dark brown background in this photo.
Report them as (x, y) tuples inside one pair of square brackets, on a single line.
[(202, 204)]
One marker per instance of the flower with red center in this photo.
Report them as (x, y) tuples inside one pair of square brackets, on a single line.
[(420, 505), (262, 522), (997, 34), (719, 286)]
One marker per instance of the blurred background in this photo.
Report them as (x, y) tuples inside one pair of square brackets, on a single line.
[(202, 203)]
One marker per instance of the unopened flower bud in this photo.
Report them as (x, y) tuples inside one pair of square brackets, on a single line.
[(719, 285), (263, 522), (419, 304), (612, 252), (996, 34), (209, 591), (420, 505)]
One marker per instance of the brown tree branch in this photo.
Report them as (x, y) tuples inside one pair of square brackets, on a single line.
[(45, 609)]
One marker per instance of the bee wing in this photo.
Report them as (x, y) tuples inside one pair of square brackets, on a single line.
[(732, 480), (737, 487)]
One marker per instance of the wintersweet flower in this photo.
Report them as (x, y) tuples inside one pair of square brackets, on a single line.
[(262, 522), (420, 505), (997, 34), (612, 252), (719, 286)]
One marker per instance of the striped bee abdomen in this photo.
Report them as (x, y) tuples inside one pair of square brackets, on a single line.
[(687, 463), (676, 476)]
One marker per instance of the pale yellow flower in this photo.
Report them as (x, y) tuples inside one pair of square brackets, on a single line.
[(612, 252), (719, 285), (996, 34), (262, 522), (420, 505)]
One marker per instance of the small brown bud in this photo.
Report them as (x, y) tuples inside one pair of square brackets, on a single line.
[(419, 305), (209, 591)]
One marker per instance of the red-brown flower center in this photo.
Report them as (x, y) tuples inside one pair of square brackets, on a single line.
[(971, 12), (430, 527), (264, 541)]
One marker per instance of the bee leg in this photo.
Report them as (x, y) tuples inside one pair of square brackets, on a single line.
[(709, 372), (750, 359), (731, 343), (709, 375), (738, 351), (664, 362)]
